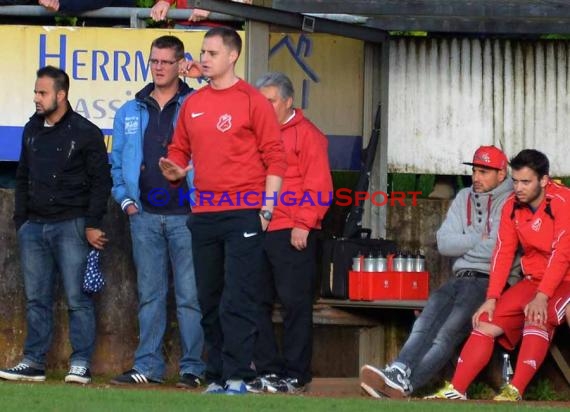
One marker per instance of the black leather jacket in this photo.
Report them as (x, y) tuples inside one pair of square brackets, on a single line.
[(63, 172)]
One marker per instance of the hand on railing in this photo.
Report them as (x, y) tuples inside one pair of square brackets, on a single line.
[(51, 5), (159, 10), (199, 15)]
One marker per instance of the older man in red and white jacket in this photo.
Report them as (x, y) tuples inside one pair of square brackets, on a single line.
[(290, 245)]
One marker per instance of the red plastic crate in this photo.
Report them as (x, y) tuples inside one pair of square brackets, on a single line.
[(355, 285), (373, 285), (414, 285), (388, 285)]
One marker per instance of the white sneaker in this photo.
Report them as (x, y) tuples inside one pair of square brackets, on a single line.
[(390, 382), (23, 372), (214, 388), (78, 374)]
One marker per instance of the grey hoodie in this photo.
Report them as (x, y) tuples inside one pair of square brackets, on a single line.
[(460, 239)]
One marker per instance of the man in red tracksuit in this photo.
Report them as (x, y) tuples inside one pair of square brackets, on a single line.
[(230, 133), (290, 245), (536, 218)]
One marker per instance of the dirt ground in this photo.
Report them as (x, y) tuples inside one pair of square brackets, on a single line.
[(350, 388), (337, 388)]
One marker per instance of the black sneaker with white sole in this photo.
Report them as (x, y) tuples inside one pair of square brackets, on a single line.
[(189, 381), (23, 372), (286, 385), (132, 377), (262, 383), (78, 374), (390, 382)]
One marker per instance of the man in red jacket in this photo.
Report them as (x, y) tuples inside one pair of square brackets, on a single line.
[(229, 131), (290, 245), (537, 219)]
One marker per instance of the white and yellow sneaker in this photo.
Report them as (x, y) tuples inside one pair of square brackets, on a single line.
[(448, 392), (508, 394)]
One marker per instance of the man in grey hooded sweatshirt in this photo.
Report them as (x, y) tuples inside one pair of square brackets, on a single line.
[(468, 235)]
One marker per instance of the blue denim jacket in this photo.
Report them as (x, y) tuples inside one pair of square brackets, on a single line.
[(129, 125)]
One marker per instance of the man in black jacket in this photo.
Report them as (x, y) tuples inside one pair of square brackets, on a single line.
[(62, 186)]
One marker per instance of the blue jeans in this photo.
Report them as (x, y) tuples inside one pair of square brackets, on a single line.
[(47, 249), (443, 324), (161, 242)]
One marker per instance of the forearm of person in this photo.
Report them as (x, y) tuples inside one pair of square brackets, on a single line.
[(272, 189), (503, 254), (21, 195), (180, 151), (119, 190), (99, 180), (317, 180), (453, 238), (559, 264)]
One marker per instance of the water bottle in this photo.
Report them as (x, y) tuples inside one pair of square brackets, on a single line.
[(369, 263), (356, 263), (419, 262), (409, 262), (507, 369), (398, 263), (381, 264)]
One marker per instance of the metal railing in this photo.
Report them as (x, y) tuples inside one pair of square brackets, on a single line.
[(135, 15), (339, 24)]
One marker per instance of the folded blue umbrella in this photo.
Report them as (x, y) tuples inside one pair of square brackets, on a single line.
[(93, 280)]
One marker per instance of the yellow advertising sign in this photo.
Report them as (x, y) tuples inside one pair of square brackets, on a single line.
[(106, 66)]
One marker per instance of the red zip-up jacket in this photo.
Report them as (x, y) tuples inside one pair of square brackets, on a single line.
[(234, 141), (544, 237), (180, 4), (307, 184)]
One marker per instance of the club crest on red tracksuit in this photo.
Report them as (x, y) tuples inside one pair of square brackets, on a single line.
[(224, 123), (536, 225)]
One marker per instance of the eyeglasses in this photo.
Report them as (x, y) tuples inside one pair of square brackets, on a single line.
[(156, 62)]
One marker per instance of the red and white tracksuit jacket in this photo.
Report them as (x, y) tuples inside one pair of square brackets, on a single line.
[(544, 236), (307, 184)]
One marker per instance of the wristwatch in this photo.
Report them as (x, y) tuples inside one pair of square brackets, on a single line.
[(266, 214)]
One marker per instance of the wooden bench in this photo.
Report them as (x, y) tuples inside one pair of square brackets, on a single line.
[(371, 340), (367, 348), (560, 361), (361, 314)]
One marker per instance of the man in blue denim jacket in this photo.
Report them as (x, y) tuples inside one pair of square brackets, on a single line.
[(157, 214)]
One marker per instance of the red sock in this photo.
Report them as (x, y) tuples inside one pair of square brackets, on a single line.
[(474, 356), (534, 347)]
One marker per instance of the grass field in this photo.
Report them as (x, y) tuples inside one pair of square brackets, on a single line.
[(60, 397)]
